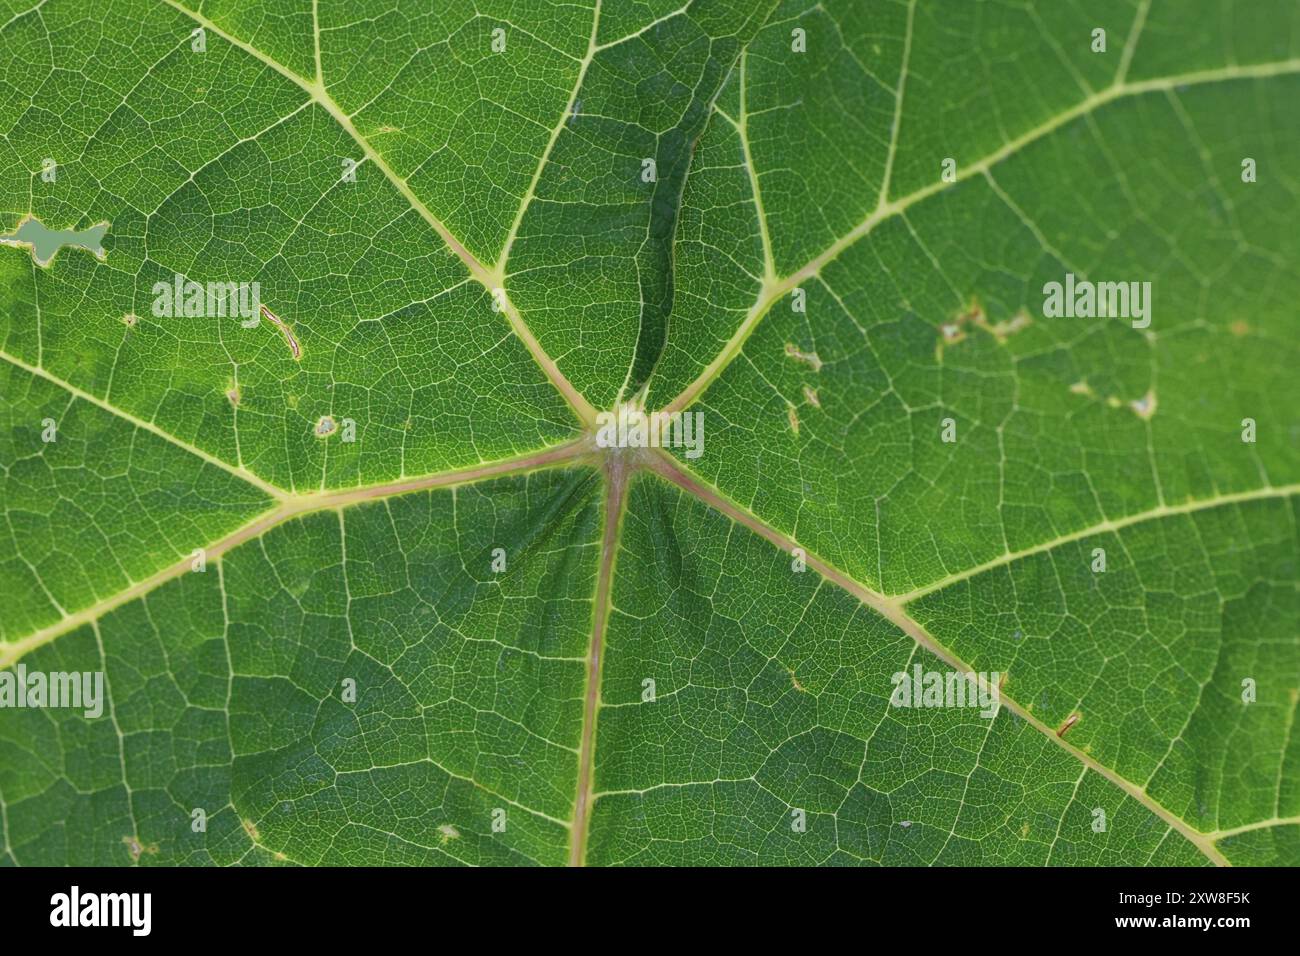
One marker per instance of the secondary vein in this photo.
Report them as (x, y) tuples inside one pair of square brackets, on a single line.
[(291, 506), (772, 291), (892, 609), (490, 278)]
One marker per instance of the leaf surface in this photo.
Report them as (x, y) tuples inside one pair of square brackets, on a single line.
[(364, 588)]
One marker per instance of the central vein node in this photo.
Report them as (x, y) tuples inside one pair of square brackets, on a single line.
[(630, 426)]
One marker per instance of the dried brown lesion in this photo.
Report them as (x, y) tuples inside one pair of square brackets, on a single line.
[(1008, 327), (811, 359), (137, 848), (280, 324), (1144, 408), (974, 316), (1069, 722)]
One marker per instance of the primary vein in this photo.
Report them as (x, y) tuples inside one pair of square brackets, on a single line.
[(1190, 506), (773, 290), (490, 278), (237, 470), (892, 609), (290, 506), (616, 478)]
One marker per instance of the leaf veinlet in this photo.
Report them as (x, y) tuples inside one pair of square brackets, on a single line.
[(569, 653), (673, 160)]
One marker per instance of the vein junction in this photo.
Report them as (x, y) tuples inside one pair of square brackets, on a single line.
[(493, 277)]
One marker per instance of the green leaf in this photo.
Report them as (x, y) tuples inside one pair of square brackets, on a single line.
[(361, 577)]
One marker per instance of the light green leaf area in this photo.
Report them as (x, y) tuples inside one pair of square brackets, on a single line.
[(96, 509), (363, 584), (226, 693), (217, 167), (771, 699)]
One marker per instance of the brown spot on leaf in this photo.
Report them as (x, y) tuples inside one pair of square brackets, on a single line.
[(955, 330), (285, 331), (136, 848), (1239, 328), (325, 426), (809, 358), (794, 418), (130, 320), (1069, 722), (1008, 327), (251, 829), (811, 397)]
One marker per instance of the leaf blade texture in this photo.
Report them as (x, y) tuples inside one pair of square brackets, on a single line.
[(364, 585)]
